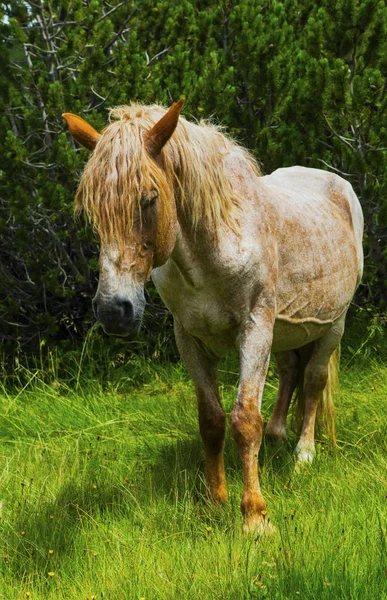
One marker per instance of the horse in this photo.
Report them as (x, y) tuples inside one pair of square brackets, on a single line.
[(244, 262)]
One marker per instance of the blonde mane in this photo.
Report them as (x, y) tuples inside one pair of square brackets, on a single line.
[(120, 170)]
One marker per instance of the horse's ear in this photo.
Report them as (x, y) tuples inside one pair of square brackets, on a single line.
[(81, 131), (160, 133)]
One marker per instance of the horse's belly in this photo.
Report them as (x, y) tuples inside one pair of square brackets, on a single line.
[(289, 336), (222, 337)]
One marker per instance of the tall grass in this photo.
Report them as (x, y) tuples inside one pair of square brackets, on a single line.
[(102, 487)]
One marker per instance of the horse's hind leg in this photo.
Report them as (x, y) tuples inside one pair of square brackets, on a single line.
[(212, 419), (315, 385), (289, 371)]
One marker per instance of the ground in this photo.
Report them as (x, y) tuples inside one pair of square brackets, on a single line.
[(103, 497)]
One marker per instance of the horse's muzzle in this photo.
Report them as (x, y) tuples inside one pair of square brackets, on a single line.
[(118, 315)]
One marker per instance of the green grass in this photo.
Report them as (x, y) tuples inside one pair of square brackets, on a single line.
[(102, 487)]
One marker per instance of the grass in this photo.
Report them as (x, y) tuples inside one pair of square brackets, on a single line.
[(103, 496)]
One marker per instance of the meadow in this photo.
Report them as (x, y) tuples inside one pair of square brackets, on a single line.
[(102, 490)]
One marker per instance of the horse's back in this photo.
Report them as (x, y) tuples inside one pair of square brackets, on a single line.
[(320, 194)]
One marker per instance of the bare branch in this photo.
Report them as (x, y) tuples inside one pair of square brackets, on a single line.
[(149, 61), (345, 140), (120, 31), (334, 168), (103, 100), (113, 10)]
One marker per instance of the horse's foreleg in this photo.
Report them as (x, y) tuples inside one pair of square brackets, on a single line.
[(246, 419), (288, 368), (315, 380), (212, 419)]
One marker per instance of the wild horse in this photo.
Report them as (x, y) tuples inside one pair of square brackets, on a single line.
[(242, 261)]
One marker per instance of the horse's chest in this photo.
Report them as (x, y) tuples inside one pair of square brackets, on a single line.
[(204, 313)]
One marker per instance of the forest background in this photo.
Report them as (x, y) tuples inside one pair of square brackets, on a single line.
[(297, 82)]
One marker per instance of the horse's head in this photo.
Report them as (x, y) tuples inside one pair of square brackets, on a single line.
[(127, 189)]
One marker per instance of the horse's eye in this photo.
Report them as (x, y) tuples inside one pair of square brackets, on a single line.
[(148, 199)]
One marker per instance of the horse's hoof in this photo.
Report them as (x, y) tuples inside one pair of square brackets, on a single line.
[(258, 525), (304, 456)]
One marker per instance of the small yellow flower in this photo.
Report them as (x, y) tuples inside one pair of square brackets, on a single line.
[(51, 517), (260, 584), (22, 533), (208, 528), (94, 487), (51, 573), (107, 541), (51, 551)]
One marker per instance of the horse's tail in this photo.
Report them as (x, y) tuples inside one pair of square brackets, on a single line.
[(325, 418)]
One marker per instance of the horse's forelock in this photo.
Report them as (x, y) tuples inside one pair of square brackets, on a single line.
[(118, 171)]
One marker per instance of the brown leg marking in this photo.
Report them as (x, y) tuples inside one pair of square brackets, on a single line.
[(246, 426), (212, 420), (212, 425), (288, 368)]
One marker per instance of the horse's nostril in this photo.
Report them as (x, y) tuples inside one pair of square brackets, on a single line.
[(116, 313), (127, 308)]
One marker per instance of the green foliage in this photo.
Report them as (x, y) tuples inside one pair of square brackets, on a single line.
[(297, 82)]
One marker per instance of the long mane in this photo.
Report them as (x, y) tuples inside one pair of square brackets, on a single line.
[(120, 169)]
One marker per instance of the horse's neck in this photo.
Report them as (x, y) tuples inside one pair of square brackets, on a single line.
[(207, 251), (202, 256), (194, 247)]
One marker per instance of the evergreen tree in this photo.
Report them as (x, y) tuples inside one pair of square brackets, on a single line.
[(297, 82), (335, 113)]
